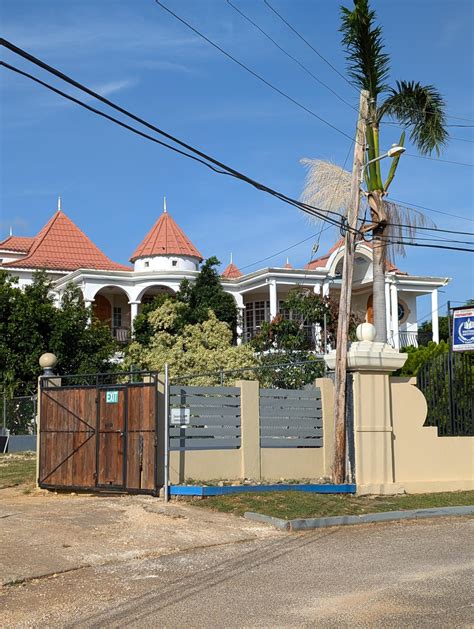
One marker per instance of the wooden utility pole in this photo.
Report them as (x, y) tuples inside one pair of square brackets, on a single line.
[(339, 470)]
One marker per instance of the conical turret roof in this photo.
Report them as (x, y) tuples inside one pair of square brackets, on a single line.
[(165, 238), (231, 272), (62, 246)]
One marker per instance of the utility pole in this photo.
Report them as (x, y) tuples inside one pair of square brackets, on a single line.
[(339, 469)]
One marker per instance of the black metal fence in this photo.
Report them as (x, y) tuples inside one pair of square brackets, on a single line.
[(447, 382)]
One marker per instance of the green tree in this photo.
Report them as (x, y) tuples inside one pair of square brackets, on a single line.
[(418, 108), (189, 348), (31, 324), (207, 293)]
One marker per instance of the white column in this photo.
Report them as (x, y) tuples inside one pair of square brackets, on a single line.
[(326, 288), (387, 309), (88, 304), (273, 299), (133, 313), (434, 315), (240, 324), (394, 300), (317, 289)]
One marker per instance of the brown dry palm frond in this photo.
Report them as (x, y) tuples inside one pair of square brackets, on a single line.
[(411, 219), (327, 186)]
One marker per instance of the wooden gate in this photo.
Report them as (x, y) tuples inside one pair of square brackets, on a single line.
[(101, 435)]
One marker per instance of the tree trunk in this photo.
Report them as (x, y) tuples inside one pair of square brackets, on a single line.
[(379, 258)]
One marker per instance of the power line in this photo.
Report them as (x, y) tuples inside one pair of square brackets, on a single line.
[(292, 28), (274, 255), (285, 52), (222, 168), (309, 45), (429, 209), (252, 72), (437, 159), (400, 126)]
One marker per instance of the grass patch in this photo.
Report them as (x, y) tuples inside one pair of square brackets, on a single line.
[(297, 504), (17, 469)]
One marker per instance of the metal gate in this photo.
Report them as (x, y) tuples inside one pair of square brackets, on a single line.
[(447, 382), (99, 433)]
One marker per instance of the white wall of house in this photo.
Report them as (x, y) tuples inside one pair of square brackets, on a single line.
[(166, 263)]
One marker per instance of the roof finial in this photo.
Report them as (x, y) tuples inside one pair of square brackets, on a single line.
[(231, 259), (59, 204), (287, 260), (11, 231), (164, 205)]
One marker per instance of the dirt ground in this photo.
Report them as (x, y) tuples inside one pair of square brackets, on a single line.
[(44, 533)]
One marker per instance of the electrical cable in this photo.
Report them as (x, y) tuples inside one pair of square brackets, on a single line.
[(223, 169), (285, 52), (309, 45), (252, 72), (437, 159), (429, 209)]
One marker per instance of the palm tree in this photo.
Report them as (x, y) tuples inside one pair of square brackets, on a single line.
[(419, 109)]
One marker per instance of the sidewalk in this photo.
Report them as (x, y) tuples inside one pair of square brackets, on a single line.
[(47, 533)]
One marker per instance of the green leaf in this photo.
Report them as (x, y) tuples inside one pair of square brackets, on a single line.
[(393, 167)]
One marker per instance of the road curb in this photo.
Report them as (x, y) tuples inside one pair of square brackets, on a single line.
[(345, 520)]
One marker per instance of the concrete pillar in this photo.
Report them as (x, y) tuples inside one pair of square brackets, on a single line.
[(250, 429), (395, 331), (326, 386), (273, 299), (133, 313), (317, 289), (326, 288), (434, 315)]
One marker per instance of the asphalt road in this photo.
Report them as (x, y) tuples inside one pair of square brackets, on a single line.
[(384, 575)]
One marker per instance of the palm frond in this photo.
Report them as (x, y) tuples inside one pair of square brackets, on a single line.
[(401, 215), (368, 65), (327, 186), (421, 108)]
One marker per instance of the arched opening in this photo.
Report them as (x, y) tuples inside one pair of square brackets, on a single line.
[(149, 294), (111, 306)]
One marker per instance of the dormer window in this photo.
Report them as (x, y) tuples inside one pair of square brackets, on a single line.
[(147, 263), (174, 262)]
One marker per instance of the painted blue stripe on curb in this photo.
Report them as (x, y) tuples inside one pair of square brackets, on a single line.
[(204, 490), (344, 520)]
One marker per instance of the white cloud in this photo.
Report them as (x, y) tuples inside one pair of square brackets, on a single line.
[(112, 87)]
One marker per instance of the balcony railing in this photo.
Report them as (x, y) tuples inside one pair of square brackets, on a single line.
[(415, 339), (121, 335)]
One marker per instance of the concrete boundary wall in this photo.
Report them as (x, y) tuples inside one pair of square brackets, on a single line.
[(250, 460), (395, 452)]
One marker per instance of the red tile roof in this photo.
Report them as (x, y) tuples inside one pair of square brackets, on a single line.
[(62, 246), (231, 272), (17, 244), (287, 265), (165, 238)]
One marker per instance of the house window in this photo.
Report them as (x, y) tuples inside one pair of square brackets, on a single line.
[(147, 263), (174, 262), (256, 312), (117, 317)]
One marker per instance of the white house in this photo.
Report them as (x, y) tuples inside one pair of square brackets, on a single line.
[(166, 256)]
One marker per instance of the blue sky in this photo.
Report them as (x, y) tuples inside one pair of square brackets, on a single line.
[(112, 183)]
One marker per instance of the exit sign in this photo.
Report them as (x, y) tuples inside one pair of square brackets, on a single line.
[(111, 397)]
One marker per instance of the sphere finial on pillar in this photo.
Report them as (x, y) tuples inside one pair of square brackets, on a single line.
[(366, 332), (48, 362)]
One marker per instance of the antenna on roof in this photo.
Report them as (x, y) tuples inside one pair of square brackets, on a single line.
[(59, 204), (164, 205)]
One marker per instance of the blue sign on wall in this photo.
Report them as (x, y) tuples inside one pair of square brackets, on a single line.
[(463, 329)]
